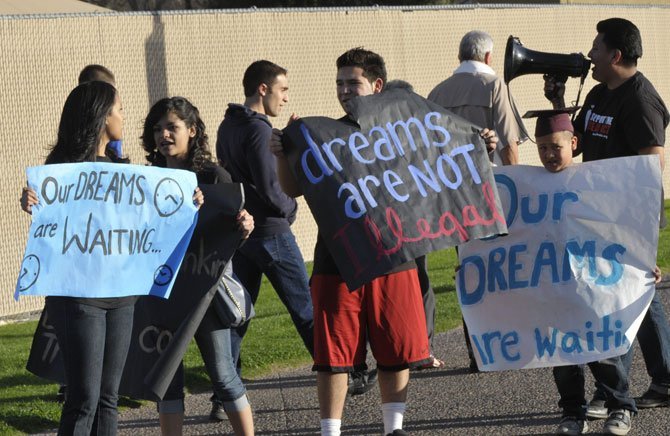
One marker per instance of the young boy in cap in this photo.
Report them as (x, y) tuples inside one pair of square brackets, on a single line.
[(556, 142), (555, 139)]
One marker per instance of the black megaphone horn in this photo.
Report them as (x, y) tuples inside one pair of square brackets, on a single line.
[(520, 60)]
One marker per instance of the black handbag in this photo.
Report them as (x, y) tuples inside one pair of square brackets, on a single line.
[(232, 302)]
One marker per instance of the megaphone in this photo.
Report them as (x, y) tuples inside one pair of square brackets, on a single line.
[(520, 60)]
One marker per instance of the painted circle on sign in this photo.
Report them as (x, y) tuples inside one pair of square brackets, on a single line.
[(30, 270), (168, 197), (163, 275)]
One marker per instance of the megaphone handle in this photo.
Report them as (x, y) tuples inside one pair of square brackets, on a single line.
[(579, 93)]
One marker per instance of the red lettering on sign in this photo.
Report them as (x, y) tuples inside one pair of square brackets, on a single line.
[(447, 225)]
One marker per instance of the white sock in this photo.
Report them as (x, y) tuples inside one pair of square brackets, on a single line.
[(392, 413), (330, 427)]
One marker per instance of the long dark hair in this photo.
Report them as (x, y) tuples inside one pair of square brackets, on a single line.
[(82, 122), (198, 156)]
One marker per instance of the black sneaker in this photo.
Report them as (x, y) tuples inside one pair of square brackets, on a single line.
[(60, 396), (361, 382), (653, 398), (217, 414), (572, 425)]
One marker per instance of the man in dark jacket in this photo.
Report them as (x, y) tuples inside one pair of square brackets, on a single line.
[(242, 148)]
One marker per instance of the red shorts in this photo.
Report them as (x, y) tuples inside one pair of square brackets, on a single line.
[(388, 312)]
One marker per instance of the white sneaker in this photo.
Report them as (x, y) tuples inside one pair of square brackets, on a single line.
[(596, 409), (618, 422)]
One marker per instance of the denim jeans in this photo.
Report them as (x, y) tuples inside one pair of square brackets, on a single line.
[(654, 340), (279, 258), (94, 343), (610, 379), (214, 343)]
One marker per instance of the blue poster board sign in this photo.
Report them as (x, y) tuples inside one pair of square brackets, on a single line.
[(106, 230)]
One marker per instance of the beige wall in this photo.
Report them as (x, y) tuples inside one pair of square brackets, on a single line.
[(203, 56)]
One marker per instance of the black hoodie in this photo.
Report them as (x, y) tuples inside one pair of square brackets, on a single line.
[(242, 148)]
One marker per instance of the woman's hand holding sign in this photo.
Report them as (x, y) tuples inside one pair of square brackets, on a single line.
[(28, 199), (245, 223), (198, 198)]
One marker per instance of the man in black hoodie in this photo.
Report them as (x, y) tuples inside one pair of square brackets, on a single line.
[(242, 148)]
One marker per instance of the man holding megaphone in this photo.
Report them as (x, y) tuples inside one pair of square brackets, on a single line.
[(624, 116)]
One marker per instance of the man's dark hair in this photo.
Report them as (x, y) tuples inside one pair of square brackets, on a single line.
[(260, 72), (371, 63), (624, 36), (94, 72)]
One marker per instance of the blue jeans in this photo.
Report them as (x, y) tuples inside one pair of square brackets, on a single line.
[(610, 379), (279, 258), (654, 339), (94, 343), (214, 344), (213, 340)]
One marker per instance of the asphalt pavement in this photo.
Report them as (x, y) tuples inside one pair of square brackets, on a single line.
[(448, 401)]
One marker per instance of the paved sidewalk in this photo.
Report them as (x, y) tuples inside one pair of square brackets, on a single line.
[(449, 401), (442, 402)]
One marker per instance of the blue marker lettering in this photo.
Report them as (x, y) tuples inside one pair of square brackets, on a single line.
[(534, 217), (544, 344), (496, 276), (476, 295), (609, 253), (546, 256)]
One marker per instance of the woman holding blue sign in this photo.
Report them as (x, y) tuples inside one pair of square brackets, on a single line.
[(94, 337), (174, 137), (92, 333)]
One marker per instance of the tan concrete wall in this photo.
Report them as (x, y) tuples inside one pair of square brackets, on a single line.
[(203, 56)]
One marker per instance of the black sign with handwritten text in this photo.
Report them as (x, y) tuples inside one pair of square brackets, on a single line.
[(401, 178)]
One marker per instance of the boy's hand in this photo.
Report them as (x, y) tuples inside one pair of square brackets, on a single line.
[(657, 274)]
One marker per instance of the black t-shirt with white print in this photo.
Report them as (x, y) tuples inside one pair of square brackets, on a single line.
[(619, 122)]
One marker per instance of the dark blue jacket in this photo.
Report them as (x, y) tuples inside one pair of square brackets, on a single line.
[(242, 148)]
